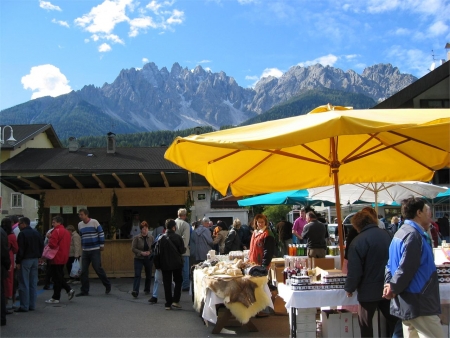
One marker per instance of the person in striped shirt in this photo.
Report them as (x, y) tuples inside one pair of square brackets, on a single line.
[(92, 243)]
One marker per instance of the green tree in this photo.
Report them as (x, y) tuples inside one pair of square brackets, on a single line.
[(274, 213)]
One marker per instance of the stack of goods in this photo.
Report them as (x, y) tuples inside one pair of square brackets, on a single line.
[(235, 255), (224, 268), (336, 281), (305, 324), (443, 272)]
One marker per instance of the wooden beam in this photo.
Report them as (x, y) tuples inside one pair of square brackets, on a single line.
[(52, 183), (99, 181), (78, 183), (31, 184), (122, 185), (166, 182), (141, 175)]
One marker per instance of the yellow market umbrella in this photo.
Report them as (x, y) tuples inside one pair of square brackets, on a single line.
[(328, 146)]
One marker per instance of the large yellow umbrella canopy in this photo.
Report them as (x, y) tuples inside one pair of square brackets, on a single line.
[(328, 146)]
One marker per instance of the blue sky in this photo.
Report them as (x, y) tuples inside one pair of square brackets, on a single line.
[(53, 47)]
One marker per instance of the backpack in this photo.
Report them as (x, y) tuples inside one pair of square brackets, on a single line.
[(156, 251)]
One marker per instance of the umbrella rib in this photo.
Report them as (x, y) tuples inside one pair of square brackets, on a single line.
[(315, 153), (222, 157), (283, 153), (250, 169), (359, 147), (369, 152), (409, 138)]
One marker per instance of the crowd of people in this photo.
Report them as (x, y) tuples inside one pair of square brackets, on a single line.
[(390, 266)]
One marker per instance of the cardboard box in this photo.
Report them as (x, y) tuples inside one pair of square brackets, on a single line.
[(279, 305), (337, 323), (306, 327), (356, 328), (323, 263), (306, 318), (346, 324)]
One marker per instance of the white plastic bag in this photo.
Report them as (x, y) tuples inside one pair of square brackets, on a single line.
[(76, 269)]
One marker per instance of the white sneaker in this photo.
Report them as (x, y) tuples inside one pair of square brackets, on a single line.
[(52, 301), (71, 293)]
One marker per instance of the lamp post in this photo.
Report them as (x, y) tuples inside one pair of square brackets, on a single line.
[(11, 139)]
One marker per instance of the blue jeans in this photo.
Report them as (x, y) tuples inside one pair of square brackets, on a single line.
[(28, 279), (157, 282), (94, 257), (185, 272), (138, 264)]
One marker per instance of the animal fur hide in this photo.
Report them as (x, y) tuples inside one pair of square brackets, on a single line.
[(244, 297)]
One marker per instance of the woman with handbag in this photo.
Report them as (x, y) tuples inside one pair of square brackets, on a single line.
[(74, 252), (168, 257), (58, 247), (141, 247)]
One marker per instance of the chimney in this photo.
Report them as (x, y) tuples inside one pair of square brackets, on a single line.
[(73, 144), (111, 143), (447, 48)]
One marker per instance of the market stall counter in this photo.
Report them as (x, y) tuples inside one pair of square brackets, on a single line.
[(242, 295)]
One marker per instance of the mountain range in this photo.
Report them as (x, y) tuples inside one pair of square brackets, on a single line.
[(151, 99)]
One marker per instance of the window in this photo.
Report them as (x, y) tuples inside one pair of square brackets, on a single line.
[(434, 103), (16, 200)]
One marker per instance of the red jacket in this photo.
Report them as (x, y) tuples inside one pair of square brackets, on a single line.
[(60, 237)]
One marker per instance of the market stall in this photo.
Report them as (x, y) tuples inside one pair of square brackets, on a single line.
[(320, 298), (242, 295)]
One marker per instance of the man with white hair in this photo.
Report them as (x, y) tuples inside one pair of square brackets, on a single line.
[(184, 230)]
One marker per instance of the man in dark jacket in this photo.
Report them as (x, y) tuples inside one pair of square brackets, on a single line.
[(411, 280), (168, 258), (284, 230), (367, 257), (6, 264), (316, 234), (31, 246)]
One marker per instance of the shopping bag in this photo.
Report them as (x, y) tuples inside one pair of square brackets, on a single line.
[(49, 253), (76, 269)]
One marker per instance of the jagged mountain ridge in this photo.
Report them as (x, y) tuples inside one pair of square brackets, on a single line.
[(151, 99)]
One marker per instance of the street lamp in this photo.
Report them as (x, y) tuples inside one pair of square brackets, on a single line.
[(11, 139)]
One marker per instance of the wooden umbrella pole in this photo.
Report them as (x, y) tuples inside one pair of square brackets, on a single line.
[(335, 170)]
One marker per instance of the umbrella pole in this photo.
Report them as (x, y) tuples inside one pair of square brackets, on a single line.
[(335, 170), (339, 217)]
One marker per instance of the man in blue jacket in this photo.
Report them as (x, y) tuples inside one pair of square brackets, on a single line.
[(411, 278)]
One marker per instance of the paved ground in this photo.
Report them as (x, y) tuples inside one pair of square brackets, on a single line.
[(120, 315)]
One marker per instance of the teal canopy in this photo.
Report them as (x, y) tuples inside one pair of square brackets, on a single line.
[(290, 197)]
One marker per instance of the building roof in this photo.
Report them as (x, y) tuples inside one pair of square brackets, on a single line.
[(403, 98), (26, 132), (57, 168)]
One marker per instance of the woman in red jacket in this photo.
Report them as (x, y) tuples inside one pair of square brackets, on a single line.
[(262, 244), (13, 248), (60, 238)]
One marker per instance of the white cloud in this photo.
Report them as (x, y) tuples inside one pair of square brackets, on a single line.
[(275, 72), (346, 7), (402, 31), (140, 24), (177, 17), (414, 60), (208, 69), (326, 60), (61, 23), (246, 2), (204, 61), (351, 56), (48, 6), (144, 60), (104, 17), (46, 80), (252, 77), (438, 28), (104, 47)]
